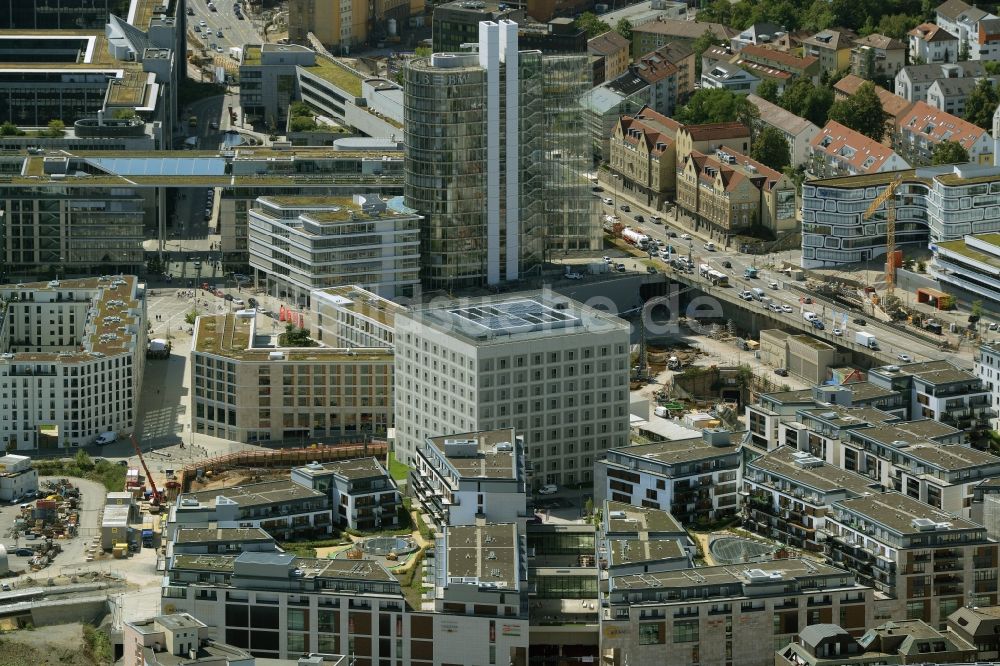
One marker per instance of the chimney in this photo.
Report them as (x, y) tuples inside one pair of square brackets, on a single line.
[(100, 118)]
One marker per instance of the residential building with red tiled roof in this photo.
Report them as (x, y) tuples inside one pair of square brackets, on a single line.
[(654, 34), (798, 132), (877, 56), (924, 126), (797, 66), (931, 43), (730, 193), (645, 147), (643, 152), (614, 49), (840, 151), (892, 104), (832, 47)]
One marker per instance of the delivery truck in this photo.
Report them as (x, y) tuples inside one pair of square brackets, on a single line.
[(866, 339)]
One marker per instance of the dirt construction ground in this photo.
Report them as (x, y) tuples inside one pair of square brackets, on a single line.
[(56, 645)]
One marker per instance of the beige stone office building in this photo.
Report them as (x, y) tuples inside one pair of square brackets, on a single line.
[(248, 388)]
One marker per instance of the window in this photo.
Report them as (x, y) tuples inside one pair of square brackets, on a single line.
[(651, 633), (686, 631)]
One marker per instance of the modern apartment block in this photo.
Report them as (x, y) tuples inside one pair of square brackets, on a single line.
[(738, 614), (166, 640), (927, 561), (285, 509), (506, 184), (460, 478), (277, 605), (938, 390), (637, 539), (694, 479), (353, 317), (968, 268), (790, 494), (549, 367), (72, 354), (301, 244), (364, 495), (247, 387), (988, 371), (933, 204)]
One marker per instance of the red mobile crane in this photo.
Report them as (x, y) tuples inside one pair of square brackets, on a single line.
[(154, 502)]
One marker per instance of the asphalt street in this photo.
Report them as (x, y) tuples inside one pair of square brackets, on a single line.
[(892, 338), (235, 32)]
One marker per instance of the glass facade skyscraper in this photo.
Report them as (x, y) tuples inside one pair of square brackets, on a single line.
[(496, 160)]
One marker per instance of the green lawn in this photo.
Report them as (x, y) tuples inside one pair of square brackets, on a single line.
[(397, 470)]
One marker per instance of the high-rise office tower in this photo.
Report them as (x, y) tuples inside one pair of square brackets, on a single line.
[(496, 160)]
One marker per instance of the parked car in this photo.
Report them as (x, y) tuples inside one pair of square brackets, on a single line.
[(548, 489), (781, 372), (24, 552)]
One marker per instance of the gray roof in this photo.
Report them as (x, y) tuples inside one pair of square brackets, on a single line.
[(257, 494), (814, 633), (822, 477), (897, 512), (951, 9), (775, 116), (484, 554), (351, 470), (932, 71), (487, 462)]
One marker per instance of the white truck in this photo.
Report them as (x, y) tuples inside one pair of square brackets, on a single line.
[(634, 237), (866, 339), (809, 316)]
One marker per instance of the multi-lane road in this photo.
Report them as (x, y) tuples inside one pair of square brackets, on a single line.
[(893, 341), (235, 32)]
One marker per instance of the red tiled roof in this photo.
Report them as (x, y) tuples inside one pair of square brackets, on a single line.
[(780, 57), (655, 141), (892, 104), (865, 154), (734, 171), (710, 131), (938, 126), (930, 32), (607, 43)]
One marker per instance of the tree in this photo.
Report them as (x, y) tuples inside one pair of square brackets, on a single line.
[(300, 109), (746, 112), (897, 25), (56, 127), (963, 50), (768, 89), (590, 24), (296, 337), (423, 52), (949, 152), (771, 148), (982, 104), (862, 112), (713, 105), (624, 28), (10, 129), (701, 45), (807, 101)]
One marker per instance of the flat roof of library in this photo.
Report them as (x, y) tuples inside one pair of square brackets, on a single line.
[(504, 319)]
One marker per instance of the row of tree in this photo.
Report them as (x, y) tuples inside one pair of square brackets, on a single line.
[(890, 17)]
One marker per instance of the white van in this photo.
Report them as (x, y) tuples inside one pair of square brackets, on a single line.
[(772, 284), (106, 438)]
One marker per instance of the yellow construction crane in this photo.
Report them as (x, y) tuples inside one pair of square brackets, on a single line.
[(887, 197)]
